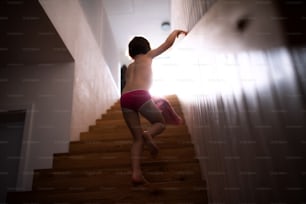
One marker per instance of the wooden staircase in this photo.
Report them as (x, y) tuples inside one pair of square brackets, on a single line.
[(97, 168)]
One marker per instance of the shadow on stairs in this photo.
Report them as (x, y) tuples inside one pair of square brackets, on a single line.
[(97, 168)]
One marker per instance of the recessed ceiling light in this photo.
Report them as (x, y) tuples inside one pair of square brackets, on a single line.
[(165, 26)]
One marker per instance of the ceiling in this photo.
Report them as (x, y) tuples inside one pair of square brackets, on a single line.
[(129, 18), (28, 37)]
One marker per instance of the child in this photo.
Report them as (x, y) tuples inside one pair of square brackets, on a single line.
[(136, 99)]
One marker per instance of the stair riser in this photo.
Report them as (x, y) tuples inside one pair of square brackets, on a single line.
[(115, 114), (124, 129), (114, 179), (127, 136), (133, 195), (120, 146), (117, 159), (118, 112), (119, 116), (120, 121), (173, 102), (183, 167), (120, 124)]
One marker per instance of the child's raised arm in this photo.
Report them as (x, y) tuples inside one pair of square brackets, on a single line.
[(167, 44)]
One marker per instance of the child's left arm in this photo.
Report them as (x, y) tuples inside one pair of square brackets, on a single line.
[(167, 44)]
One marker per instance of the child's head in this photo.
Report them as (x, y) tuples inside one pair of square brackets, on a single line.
[(138, 45)]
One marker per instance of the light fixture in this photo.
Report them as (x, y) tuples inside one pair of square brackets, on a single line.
[(165, 26)]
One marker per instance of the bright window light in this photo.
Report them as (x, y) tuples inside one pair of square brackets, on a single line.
[(212, 73)]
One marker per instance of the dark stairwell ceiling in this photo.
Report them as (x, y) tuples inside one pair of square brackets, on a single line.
[(27, 36)]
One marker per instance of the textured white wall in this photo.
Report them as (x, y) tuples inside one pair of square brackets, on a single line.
[(243, 104), (186, 13), (47, 89), (99, 24), (95, 89)]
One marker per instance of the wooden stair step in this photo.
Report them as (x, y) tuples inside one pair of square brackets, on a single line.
[(66, 160), (121, 145), (187, 171), (111, 122), (117, 110), (173, 101), (97, 168), (120, 118), (121, 123), (122, 178), (123, 128), (97, 183), (96, 135), (182, 167), (117, 113), (168, 192)]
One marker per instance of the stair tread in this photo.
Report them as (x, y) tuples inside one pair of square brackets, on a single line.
[(122, 145), (158, 140), (127, 135), (124, 163), (122, 178), (125, 127), (121, 119), (118, 112), (153, 192), (81, 155), (148, 166), (167, 184), (121, 123), (117, 106), (62, 160), (171, 100), (98, 163)]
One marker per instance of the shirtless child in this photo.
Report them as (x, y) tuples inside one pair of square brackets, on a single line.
[(136, 99)]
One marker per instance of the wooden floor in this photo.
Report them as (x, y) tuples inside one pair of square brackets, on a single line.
[(97, 168)]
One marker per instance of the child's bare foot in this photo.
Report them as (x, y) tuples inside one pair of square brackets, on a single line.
[(137, 181), (151, 144)]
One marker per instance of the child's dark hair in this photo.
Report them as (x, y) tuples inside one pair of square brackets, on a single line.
[(138, 45)]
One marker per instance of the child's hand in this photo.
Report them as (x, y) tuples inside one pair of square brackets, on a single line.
[(179, 32)]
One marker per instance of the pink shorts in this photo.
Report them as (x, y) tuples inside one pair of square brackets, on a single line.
[(134, 99)]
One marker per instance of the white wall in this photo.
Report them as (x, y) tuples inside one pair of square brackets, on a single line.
[(47, 89), (95, 90), (243, 104), (99, 24), (185, 13)]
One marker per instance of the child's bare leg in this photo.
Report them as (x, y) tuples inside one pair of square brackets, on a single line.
[(153, 114), (132, 119), (150, 142)]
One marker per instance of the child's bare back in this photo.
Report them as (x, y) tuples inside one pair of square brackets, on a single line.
[(139, 74)]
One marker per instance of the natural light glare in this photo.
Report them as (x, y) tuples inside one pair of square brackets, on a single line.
[(213, 73), (164, 77)]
